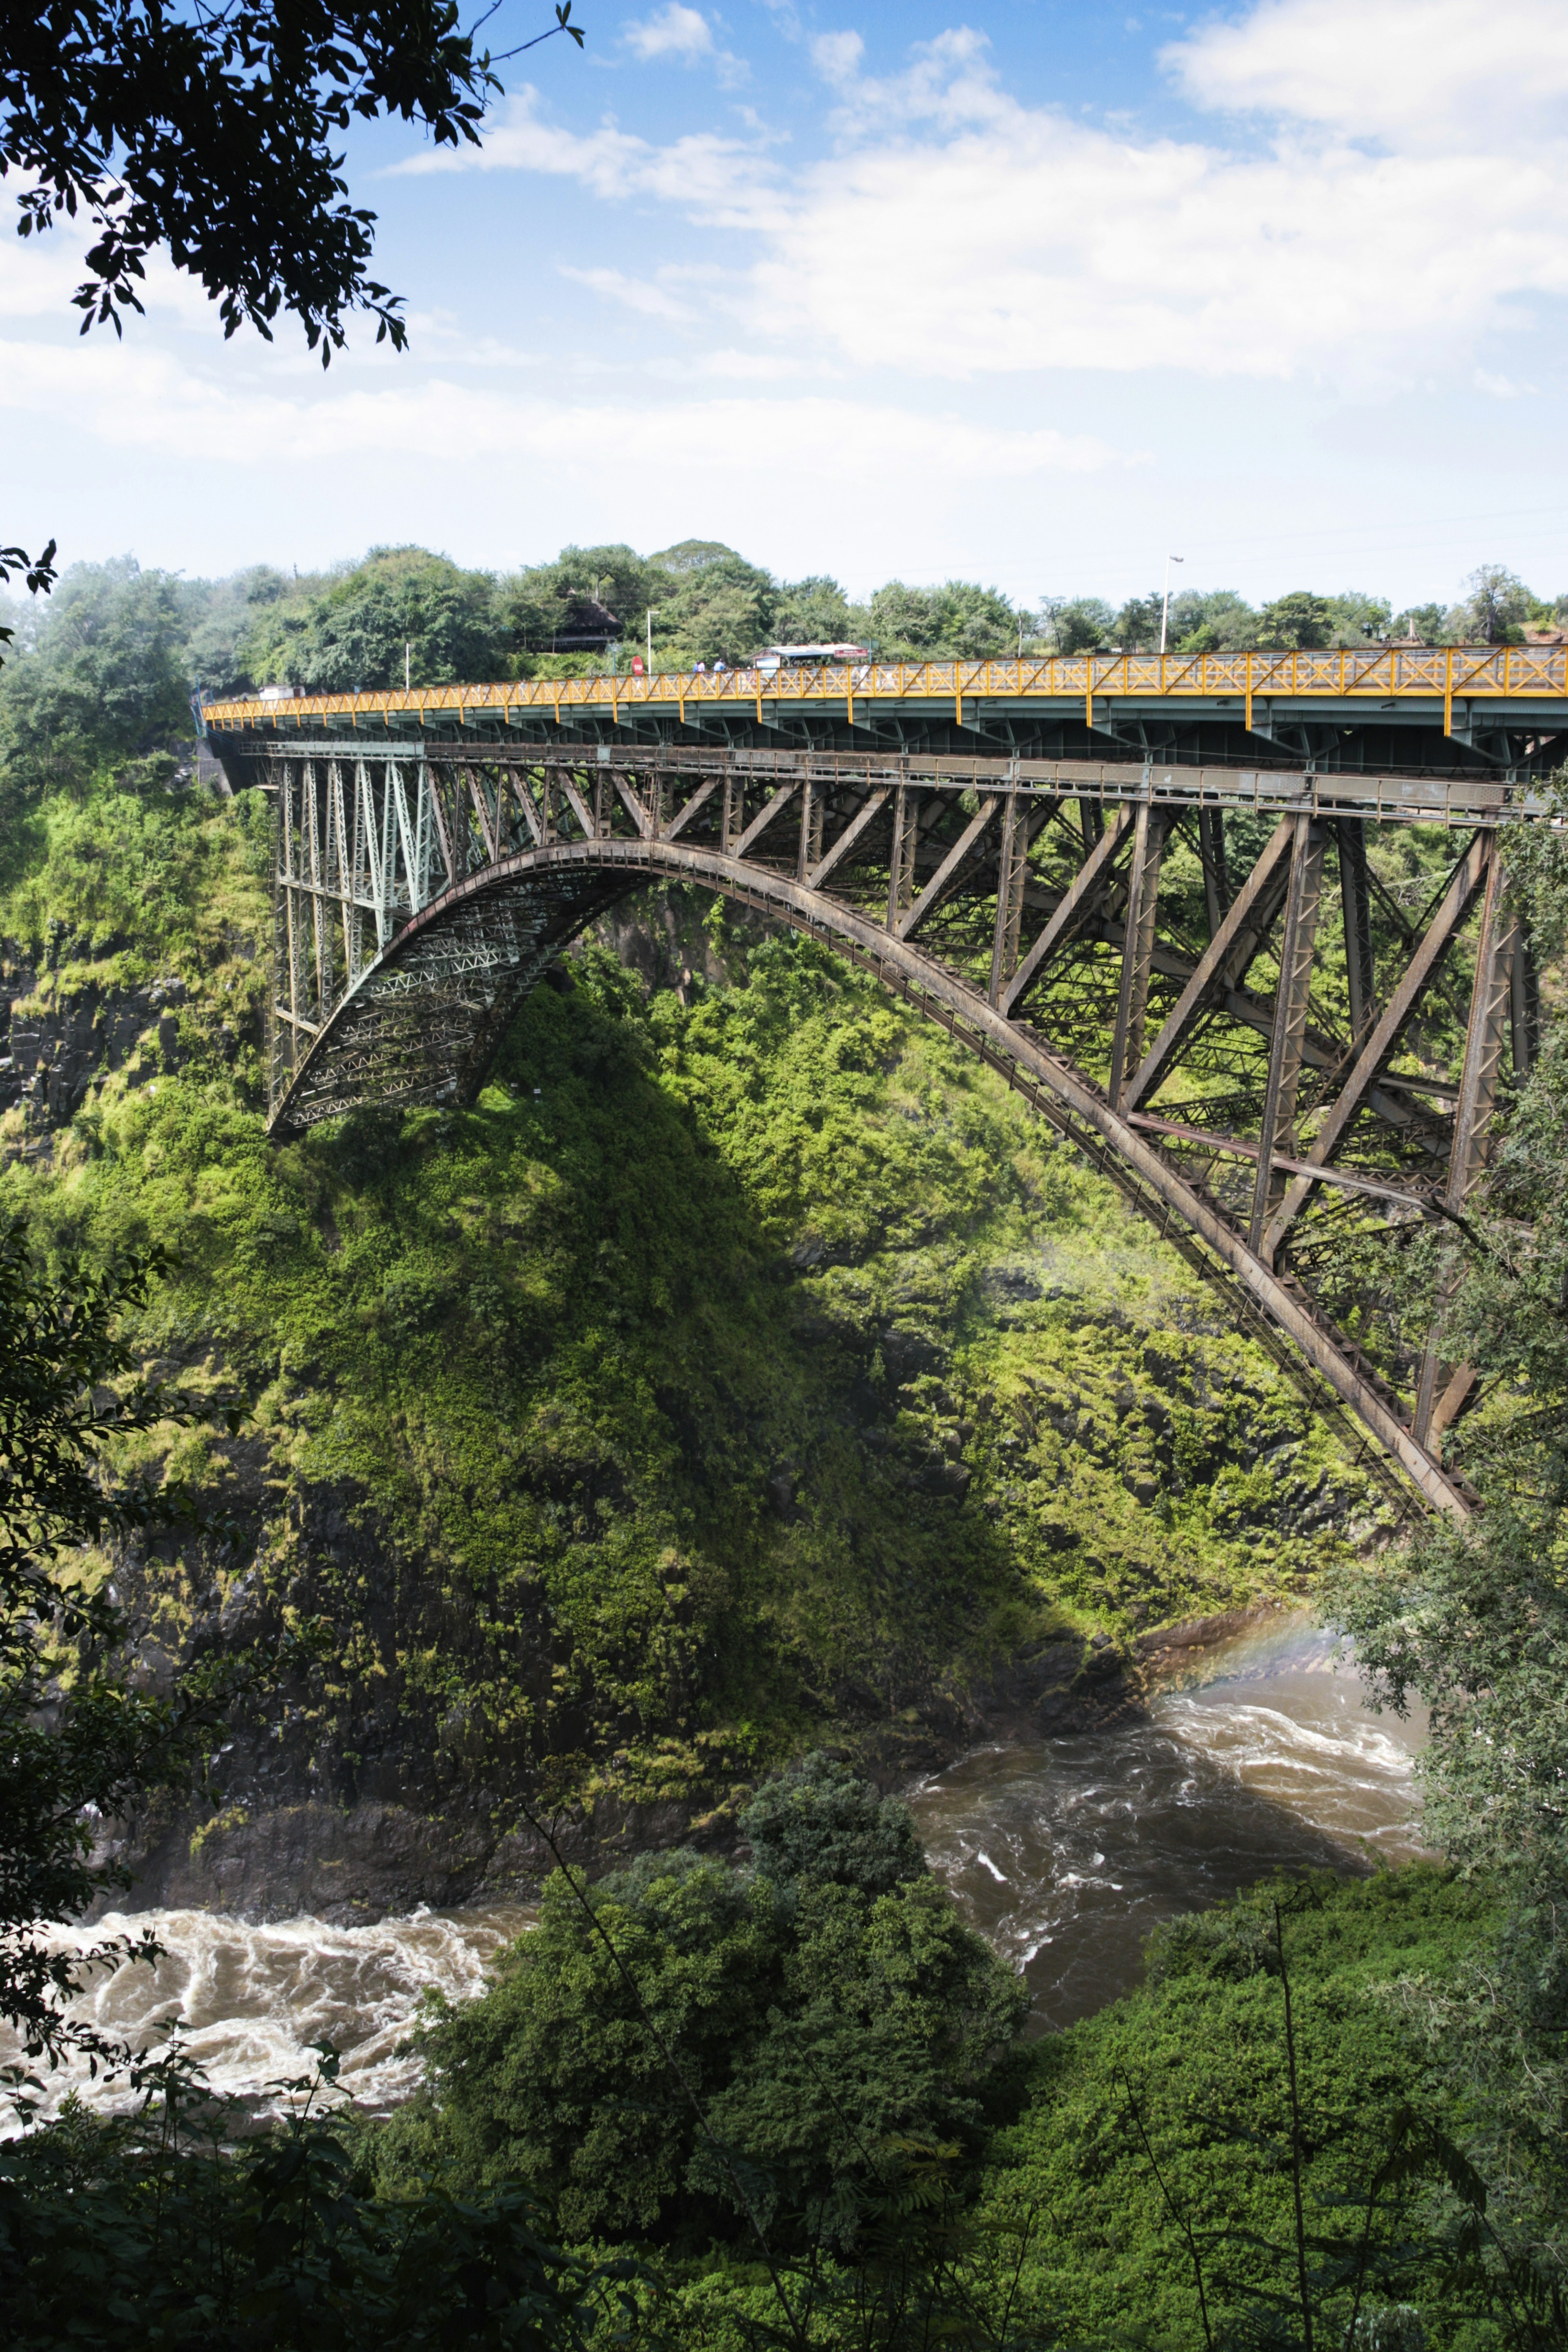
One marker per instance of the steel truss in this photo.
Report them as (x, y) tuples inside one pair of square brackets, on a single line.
[(1153, 969)]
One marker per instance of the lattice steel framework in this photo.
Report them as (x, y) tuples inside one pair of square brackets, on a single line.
[(1196, 974)]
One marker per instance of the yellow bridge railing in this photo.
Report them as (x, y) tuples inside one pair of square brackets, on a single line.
[(1433, 673)]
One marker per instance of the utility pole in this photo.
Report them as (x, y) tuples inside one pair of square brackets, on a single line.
[(405, 645), (650, 641), (1165, 607)]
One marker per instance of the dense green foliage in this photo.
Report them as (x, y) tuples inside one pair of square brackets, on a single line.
[(153, 2230), (685, 2051), (1171, 2112), (817, 1820), (77, 1740)]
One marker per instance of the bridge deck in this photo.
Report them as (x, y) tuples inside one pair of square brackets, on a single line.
[(1450, 709)]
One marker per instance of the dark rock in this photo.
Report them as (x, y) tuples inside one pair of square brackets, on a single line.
[(783, 1487), (910, 1355)]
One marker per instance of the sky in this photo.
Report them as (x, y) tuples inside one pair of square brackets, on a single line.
[(1006, 290)]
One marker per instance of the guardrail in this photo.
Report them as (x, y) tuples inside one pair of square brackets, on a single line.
[(1433, 673)]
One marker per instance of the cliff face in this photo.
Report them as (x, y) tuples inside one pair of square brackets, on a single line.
[(744, 1371)]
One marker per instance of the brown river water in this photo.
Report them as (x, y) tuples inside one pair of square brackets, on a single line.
[(1065, 1851)]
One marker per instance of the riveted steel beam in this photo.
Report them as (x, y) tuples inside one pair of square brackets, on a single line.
[(1216, 879), (1074, 906), (1485, 1033), (1302, 898), (1355, 908), (931, 897), (1457, 899), (1133, 994), (1216, 969)]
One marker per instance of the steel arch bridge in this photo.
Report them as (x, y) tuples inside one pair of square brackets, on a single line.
[(1138, 949)]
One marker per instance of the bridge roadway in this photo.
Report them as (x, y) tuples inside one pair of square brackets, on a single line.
[(1137, 946), (1445, 710)]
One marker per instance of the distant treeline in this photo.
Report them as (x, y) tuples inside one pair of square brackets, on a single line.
[(104, 670)]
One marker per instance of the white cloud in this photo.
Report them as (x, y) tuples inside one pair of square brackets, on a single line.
[(675, 32), (1502, 387), (836, 56), (957, 232), (647, 296), (142, 398), (1417, 72), (1035, 243), (721, 180)]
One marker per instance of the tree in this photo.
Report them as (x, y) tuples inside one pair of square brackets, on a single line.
[(75, 1747), (106, 682), (735, 2046), (1211, 621), (211, 136), (959, 620), (821, 1821), (1076, 624), (716, 606), (1299, 622), (813, 611), (1497, 605), (1355, 619), (351, 633), (1136, 628), (1424, 622)]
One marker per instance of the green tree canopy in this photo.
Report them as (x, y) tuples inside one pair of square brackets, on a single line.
[(814, 2008), (1298, 623), (350, 634), (1076, 624), (105, 683), (1211, 621), (821, 1821), (959, 620)]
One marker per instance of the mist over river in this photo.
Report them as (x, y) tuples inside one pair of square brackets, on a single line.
[(1066, 1851)]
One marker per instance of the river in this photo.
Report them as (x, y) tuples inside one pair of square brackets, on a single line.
[(1066, 1851)]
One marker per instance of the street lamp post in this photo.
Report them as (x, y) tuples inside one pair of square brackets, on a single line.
[(1165, 606)]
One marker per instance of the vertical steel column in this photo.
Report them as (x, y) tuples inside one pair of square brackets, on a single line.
[(1484, 1033), (1524, 1006), (1303, 896), (734, 821), (1091, 820), (320, 932), (902, 872), (655, 803), (1217, 881), (281, 1059), (811, 815), (1137, 947), (1012, 867), (1355, 902), (339, 867)]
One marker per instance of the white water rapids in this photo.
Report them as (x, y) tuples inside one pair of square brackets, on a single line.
[(1066, 1851)]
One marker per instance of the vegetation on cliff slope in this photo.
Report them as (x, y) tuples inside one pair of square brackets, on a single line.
[(735, 1367)]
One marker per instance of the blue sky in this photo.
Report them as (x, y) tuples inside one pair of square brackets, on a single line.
[(1015, 291)]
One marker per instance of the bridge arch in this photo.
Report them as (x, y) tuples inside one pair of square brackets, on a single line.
[(424, 1018)]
